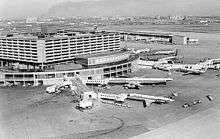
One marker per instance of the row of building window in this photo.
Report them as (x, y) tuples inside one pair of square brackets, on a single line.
[(75, 46), (98, 48), (107, 59), (85, 47), (18, 46), (20, 43), (54, 57), (17, 55), (81, 42), (89, 74), (12, 53), (29, 59), (83, 38), (18, 51), (80, 47), (70, 74), (17, 40)]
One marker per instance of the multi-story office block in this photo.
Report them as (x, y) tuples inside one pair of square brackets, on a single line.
[(52, 49)]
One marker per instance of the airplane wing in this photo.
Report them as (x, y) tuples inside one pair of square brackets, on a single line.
[(147, 102), (167, 58), (188, 73), (194, 72), (135, 83)]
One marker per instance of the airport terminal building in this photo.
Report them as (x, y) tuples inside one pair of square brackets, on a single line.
[(92, 56), (53, 49)]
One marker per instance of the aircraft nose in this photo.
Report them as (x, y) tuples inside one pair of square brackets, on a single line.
[(169, 79), (48, 92)]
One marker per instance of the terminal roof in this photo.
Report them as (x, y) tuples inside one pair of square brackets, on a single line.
[(101, 54)]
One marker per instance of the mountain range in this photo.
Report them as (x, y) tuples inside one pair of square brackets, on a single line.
[(69, 8)]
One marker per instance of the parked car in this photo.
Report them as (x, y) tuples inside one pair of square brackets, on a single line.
[(197, 102), (186, 105), (210, 97)]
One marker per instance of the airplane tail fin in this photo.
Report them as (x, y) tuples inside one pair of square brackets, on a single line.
[(144, 104), (147, 103), (176, 53), (173, 92)]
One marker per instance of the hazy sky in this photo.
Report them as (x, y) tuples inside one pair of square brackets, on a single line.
[(21, 8)]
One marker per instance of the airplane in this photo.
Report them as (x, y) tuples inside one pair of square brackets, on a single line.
[(139, 80), (153, 64), (212, 63), (163, 67), (87, 96), (120, 98), (148, 100), (163, 52), (132, 85), (129, 83), (167, 59), (86, 103), (195, 69)]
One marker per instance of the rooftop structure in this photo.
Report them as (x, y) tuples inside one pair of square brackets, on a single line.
[(102, 58)]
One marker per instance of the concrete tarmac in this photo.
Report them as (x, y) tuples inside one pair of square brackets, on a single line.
[(32, 114), (202, 125)]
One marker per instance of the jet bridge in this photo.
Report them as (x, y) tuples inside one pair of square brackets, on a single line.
[(81, 87)]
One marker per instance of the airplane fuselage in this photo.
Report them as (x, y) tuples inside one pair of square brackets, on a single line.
[(139, 80)]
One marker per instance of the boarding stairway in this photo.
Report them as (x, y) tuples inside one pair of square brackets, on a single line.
[(81, 87)]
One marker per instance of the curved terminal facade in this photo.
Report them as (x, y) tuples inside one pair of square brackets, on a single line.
[(98, 55), (108, 70)]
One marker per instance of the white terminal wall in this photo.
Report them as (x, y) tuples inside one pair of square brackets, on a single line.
[(108, 59), (41, 51)]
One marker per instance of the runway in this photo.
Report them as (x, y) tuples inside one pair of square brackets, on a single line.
[(202, 125)]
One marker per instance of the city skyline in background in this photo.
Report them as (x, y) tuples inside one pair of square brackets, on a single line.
[(70, 8)]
